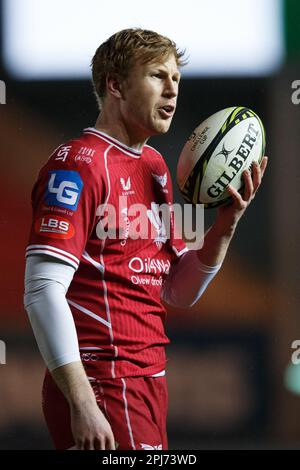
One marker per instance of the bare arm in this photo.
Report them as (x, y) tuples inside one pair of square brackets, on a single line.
[(89, 426)]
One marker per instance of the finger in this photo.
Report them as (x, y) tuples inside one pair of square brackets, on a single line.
[(256, 176), (97, 444), (88, 445), (248, 191), (103, 444), (110, 444), (237, 198), (80, 445), (263, 165)]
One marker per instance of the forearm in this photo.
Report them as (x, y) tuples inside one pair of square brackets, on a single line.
[(191, 275), (216, 242), (74, 384), (90, 428), (187, 280)]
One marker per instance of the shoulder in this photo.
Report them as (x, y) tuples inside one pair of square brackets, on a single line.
[(74, 166), (152, 152), (155, 159), (82, 155)]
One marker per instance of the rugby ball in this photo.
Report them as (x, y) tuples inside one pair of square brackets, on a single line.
[(217, 153)]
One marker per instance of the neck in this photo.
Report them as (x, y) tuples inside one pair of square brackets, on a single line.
[(117, 129)]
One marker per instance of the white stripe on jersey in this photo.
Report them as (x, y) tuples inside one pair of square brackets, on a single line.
[(127, 414), (52, 251), (88, 312), (179, 253), (113, 142), (103, 264), (97, 265), (159, 374)]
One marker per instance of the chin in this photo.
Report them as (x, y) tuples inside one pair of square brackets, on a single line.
[(162, 128)]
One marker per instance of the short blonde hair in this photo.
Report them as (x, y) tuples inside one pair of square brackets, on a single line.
[(118, 54)]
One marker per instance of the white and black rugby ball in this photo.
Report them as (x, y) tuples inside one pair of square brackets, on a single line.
[(217, 153)]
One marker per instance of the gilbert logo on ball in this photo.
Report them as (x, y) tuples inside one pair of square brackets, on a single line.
[(217, 153)]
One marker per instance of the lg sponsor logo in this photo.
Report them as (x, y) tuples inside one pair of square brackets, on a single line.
[(68, 187), (64, 188)]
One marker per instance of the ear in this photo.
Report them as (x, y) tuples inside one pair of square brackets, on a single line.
[(114, 86)]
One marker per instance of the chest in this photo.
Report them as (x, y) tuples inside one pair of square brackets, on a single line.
[(136, 213)]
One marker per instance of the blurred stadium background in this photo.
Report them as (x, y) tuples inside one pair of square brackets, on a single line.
[(231, 379)]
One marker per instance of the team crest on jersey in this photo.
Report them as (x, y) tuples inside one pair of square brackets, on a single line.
[(161, 180), (63, 152), (149, 447)]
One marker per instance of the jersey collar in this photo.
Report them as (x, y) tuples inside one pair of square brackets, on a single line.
[(111, 140)]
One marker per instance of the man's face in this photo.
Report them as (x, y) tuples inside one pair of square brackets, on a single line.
[(150, 96)]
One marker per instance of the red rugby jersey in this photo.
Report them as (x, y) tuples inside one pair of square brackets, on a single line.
[(115, 293)]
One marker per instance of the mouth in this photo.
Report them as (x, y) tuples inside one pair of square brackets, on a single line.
[(167, 111)]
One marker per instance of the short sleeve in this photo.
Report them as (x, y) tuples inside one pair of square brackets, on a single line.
[(65, 198)]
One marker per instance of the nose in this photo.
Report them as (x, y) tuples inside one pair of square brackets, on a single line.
[(171, 88)]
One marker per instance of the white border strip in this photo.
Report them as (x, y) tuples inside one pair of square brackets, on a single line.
[(159, 374), (127, 414), (29, 247), (112, 144), (97, 265), (107, 308), (89, 313), (50, 252), (179, 253)]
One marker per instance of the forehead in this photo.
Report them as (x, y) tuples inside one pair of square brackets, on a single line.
[(167, 63)]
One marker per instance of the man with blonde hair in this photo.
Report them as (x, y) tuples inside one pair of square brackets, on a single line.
[(95, 301)]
